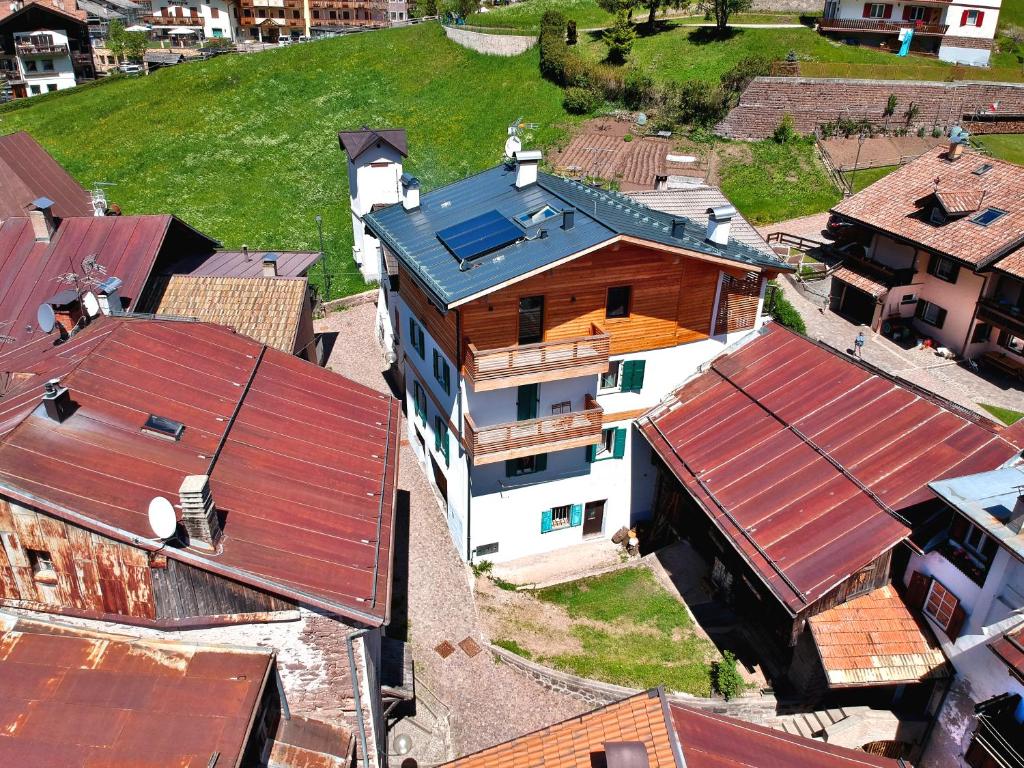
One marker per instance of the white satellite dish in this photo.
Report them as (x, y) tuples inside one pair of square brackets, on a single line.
[(46, 318), (91, 304), (512, 145), (162, 518)]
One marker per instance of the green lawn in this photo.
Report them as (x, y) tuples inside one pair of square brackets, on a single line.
[(865, 177), (632, 632), (771, 182), (526, 15), (244, 147), (1006, 146), (1005, 415)]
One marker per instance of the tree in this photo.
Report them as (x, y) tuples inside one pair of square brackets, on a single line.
[(721, 10), (653, 6), (619, 38), (614, 6), (128, 45), (465, 7)]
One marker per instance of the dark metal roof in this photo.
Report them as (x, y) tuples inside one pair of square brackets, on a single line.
[(302, 460), (804, 459), (237, 264), (600, 217), (27, 172), (357, 142)]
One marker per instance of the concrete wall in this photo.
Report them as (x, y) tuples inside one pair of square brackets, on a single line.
[(495, 45)]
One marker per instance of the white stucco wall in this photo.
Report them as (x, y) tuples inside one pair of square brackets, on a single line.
[(61, 77), (372, 179)]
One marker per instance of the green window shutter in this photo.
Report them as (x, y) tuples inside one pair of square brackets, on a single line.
[(591, 454), (626, 379), (422, 347), (540, 463), (633, 375), (620, 443), (545, 521), (438, 427), (576, 515), (526, 402), (444, 448), (446, 377), (437, 367), (412, 331)]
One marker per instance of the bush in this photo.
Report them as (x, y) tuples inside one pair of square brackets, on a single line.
[(554, 53), (607, 80), (638, 90), (696, 102), (745, 70), (582, 101), (627, 138), (725, 677), (785, 313), (785, 132), (619, 38), (577, 72)]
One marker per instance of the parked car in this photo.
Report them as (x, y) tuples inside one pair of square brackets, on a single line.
[(130, 69), (839, 229)]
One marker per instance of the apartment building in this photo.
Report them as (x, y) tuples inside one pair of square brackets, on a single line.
[(213, 18), (959, 31), (44, 47), (533, 319)]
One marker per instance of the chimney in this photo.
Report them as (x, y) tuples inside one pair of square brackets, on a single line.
[(679, 228), (1016, 521), (410, 192), (526, 167), (626, 754), (719, 221), (270, 265), (109, 298), (958, 138), (245, 253), (568, 218), (56, 401), (41, 215), (198, 514)]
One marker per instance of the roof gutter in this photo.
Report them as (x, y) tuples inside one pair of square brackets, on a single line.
[(358, 697)]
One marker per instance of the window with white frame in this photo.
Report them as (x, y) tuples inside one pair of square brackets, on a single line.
[(876, 11), (973, 18), (916, 13), (560, 516), (610, 380)]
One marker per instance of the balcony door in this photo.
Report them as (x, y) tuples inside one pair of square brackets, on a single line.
[(831, 9), (526, 402), (531, 319), (593, 518)]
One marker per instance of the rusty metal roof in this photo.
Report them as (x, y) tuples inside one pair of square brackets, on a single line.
[(73, 697), (302, 460), (875, 639), (28, 172), (1009, 647), (802, 456)]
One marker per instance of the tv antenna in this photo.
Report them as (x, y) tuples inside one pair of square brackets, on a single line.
[(99, 197), (162, 518), (4, 338)]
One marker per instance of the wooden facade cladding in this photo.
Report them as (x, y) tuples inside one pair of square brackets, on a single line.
[(737, 303), (97, 577), (440, 326), (672, 298)]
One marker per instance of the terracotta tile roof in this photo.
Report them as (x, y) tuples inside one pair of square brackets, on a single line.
[(1010, 648), (957, 202), (895, 203), (267, 309), (569, 744), (875, 639), (1012, 264), (866, 284), (67, 8)]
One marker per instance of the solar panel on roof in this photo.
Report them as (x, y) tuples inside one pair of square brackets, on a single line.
[(479, 235)]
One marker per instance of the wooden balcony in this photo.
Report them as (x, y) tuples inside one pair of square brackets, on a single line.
[(515, 439), (173, 21), (488, 369), (1008, 317), (880, 26), (30, 49)]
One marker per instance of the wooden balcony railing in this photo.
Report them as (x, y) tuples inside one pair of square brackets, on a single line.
[(884, 26), (515, 439), (31, 49), (173, 21), (1009, 317), (488, 369)]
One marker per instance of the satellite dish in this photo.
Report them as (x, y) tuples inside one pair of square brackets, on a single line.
[(91, 304), (46, 318), (512, 145), (162, 518)]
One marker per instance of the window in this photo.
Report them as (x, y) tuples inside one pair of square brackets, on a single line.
[(875, 10), (295, 14), (908, 298), (987, 216), (982, 169), (214, 13), (981, 333), (419, 399), (51, 87), (563, 407), (970, 549), (938, 216), (487, 549), (526, 465), (943, 268), (416, 338), (47, 65), (31, 65), (161, 426), (929, 313), (560, 516), (36, 90), (42, 565), (570, 515), (610, 380), (441, 441), (531, 218), (971, 18), (442, 372), (941, 604), (1011, 343), (618, 301), (612, 445), (916, 13)]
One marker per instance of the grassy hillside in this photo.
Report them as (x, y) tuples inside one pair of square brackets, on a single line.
[(526, 15), (245, 147)]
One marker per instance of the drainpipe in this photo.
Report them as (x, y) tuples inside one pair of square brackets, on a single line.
[(358, 698)]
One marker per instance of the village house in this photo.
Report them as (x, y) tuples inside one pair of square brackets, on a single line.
[(650, 731), (533, 319), (208, 19), (938, 243), (801, 477), (959, 31), (44, 47), (186, 480), (73, 697)]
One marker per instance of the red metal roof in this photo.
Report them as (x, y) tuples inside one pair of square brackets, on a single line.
[(127, 247), (302, 460), (238, 264), (27, 172), (1010, 648), (71, 697), (796, 451)]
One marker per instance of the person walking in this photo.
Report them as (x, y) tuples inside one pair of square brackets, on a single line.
[(858, 345)]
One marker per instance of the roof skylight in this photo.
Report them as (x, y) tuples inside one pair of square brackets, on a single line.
[(987, 216), (532, 218)]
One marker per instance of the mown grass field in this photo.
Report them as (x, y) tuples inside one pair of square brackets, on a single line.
[(865, 177), (245, 147), (1005, 146)]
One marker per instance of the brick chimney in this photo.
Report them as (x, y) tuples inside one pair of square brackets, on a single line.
[(41, 216), (270, 265), (198, 513)]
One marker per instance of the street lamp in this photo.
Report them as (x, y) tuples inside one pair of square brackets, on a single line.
[(856, 162), (323, 261)]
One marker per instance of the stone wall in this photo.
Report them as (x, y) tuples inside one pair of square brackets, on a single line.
[(813, 101), (495, 45)]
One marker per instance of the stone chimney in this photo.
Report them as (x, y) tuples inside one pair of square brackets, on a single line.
[(527, 163), (270, 265), (719, 223), (410, 192), (43, 223), (198, 514)]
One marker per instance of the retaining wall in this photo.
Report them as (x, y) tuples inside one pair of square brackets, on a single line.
[(495, 45), (813, 101)]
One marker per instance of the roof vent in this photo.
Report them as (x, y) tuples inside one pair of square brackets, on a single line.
[(270, 265), (109, 298), (161, 426), (626, 754), (56, 401), (41, 216), (678, 228), (568, 218), (410, 192), (958, 139), (198, 513), (719, 222), (527, 163)]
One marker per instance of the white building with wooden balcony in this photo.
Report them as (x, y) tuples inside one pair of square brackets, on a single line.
[(43, 48), (532, 319), (960, 31)]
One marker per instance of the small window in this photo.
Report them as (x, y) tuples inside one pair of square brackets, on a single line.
[(532, 218), (36, 90), (929, 313), (876, 11), (916, 13), (560, 516), (161, 426), (47, 65), (943, 268), (51, 87), (526, 465), (982, 331), (618, 301), (610, 380), (940, 604), (559, 408), (419, 398), (607, 446), (982, 169), (973, 19), (938, 216), (908, 298), (42, 565), (31, 65), (1011, 343), (988, 216)]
